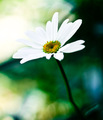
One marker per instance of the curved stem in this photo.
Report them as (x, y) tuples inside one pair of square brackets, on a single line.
[(69, 91)]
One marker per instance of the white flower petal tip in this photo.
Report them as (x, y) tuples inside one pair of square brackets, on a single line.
[(22, 61), (55, 15), (15, 56), (59, 56), (81, 41), (48, 56), (78, 22)]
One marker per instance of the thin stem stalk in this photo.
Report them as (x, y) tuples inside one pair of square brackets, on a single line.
[(69, 91)]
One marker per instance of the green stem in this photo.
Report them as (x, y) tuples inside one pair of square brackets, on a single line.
[(69, 91)]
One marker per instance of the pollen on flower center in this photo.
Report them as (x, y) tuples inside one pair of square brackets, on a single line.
[(51, 46)]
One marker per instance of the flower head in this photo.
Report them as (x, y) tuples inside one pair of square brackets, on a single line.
[(50, 42)]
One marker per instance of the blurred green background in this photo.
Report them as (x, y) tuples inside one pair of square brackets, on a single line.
[(36, 90)]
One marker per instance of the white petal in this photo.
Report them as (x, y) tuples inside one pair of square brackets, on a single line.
[(72, 28), (73, 47), (32, 56), (41, 34), (64, 33), (59, 56), (30, 43), (33, 37), (52, 27), (48, 56), (49, 30), (24, 52), (62, 28)]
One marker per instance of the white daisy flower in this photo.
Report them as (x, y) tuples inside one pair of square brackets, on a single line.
[(50, 42)]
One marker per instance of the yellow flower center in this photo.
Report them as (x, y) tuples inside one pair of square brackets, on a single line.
[(51, 46)]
